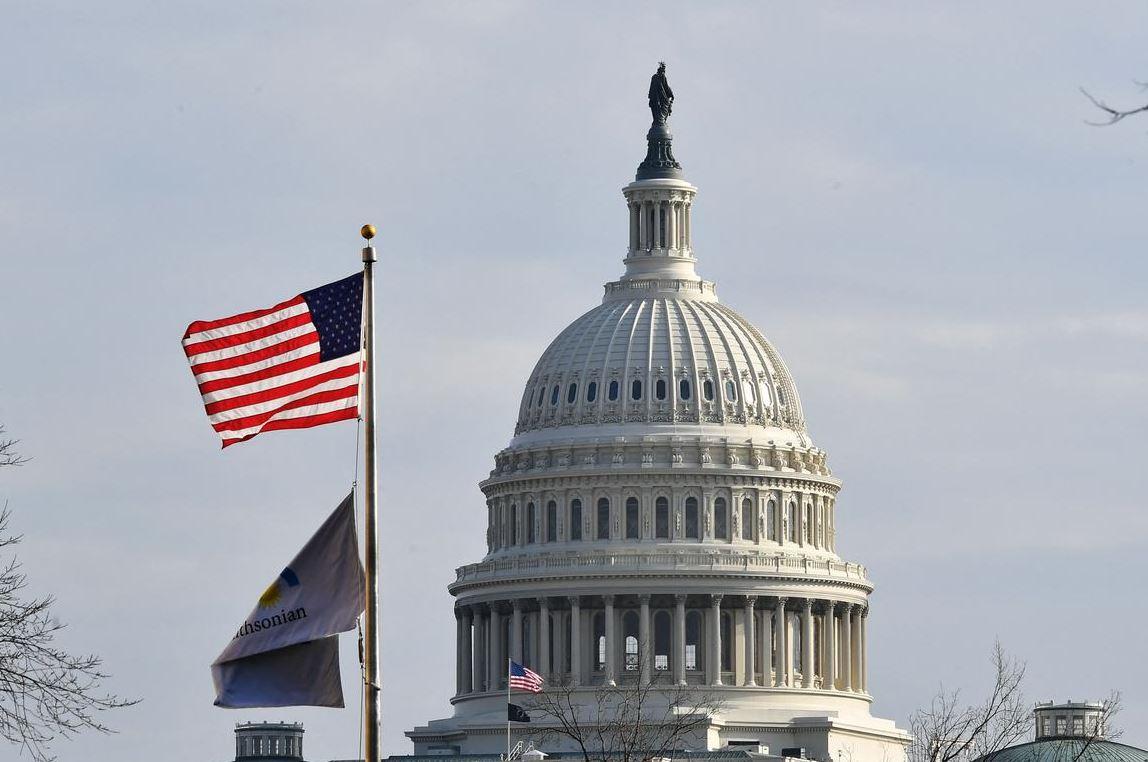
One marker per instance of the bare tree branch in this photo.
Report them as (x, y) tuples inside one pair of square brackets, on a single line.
[(946, 731), (1114, 115), (8, 454), (627, 722), (46, 693)]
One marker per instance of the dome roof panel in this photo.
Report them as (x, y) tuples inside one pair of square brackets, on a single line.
[(712, 365)]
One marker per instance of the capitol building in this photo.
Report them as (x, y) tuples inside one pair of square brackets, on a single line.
[(662, 516)]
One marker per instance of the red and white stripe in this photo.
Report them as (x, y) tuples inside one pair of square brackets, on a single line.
[(529, 681), (260, 371)]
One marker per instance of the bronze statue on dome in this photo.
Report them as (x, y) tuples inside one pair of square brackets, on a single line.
[(661, 96)]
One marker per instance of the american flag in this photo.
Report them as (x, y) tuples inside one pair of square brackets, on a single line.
[(524, 678), (292, 366)]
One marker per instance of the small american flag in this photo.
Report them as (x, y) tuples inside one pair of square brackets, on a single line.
[(292, 366), (524, 678)]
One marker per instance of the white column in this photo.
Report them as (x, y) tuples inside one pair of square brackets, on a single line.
[(643, 232), (750, 641), (679, 644), (672, 224), (847, 648), (575, 640), (478, 679), (715, 640), (855, 653), (644, 657), (611, 657), (544, 655), (780, 646), (807, 644), (864, 650), (495, 666), (516, 631), (466, 649), (829, 647)]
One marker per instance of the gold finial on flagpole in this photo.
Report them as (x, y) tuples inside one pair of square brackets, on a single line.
[(367, 231)]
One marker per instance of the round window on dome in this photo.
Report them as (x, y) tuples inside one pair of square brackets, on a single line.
[(636, 389), (592, 391), (613, 391), (684, 388), (572, 393), (708, 390), (660, 389)]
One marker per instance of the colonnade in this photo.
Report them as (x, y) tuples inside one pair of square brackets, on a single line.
[(659, 225), (740, 640)]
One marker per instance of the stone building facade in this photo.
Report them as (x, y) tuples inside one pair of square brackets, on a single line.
[(663, 515)]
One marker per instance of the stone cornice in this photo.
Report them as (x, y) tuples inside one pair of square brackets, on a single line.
[(598, 565), (696, 455)]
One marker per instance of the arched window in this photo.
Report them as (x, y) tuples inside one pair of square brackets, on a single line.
[(636, 389), (603, 519), (552, 521), (730, 391), (662, 518), (630, 638), (765, 394), (695, 653), (631, 518), (808, 524), (684, 389), (662, 640), (554, 395), (571, 393), (747, 521), (575, 519), (612, 392), (541, 395), (792, 522), (771, 521), (721, 519), (692, 519), (592, 391), (599, 641), (750, 394), (513, 524), (530, 522), (726, 642), (708, 390), (660, 389)]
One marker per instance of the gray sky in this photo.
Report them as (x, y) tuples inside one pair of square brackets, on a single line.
[(904, 198)]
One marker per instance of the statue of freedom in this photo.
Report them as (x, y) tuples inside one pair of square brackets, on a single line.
[(661, 96)]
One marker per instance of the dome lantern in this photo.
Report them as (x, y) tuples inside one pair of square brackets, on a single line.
[(659, 202)]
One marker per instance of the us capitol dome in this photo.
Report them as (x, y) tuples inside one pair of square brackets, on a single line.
[(662, 515)]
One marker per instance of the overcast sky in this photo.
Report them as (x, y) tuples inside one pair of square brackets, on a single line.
[(903, 197)]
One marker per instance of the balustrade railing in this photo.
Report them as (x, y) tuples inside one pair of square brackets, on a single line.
[(685, 561)]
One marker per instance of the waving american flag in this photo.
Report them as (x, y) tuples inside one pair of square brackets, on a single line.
[(292, 366), (524, 678)]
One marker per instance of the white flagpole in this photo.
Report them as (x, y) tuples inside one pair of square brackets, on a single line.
[(370, 534), (508, 663)]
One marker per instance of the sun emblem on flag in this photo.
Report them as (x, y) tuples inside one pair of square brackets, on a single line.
[(274, 592)]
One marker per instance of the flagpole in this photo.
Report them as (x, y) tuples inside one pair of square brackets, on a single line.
[(370, 534), (508, 662)]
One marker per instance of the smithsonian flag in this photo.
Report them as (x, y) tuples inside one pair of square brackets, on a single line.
[(285, 652)]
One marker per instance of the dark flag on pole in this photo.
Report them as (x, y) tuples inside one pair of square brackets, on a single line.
[(515, 713)]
